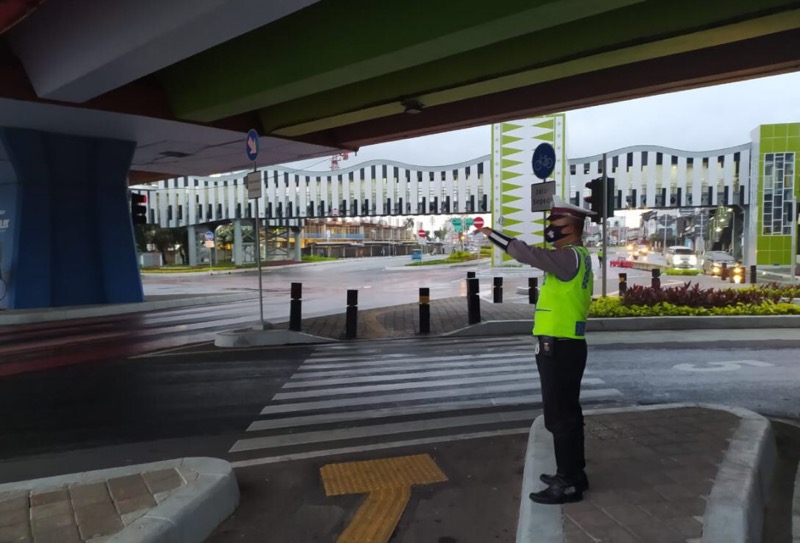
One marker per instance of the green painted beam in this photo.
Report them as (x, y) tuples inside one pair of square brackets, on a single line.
[(338, 42), (557, 49)]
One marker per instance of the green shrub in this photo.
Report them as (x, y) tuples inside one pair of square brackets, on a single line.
[(694, 296), (613, 307)]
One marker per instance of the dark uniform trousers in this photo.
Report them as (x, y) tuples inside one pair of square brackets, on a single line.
[(561, 368)]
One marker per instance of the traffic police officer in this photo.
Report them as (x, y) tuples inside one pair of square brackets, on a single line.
[(559, 327)]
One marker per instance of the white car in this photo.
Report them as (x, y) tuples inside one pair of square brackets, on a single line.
[(681, 257)]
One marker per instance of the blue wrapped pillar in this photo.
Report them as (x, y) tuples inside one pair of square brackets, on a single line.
[(71, 241)]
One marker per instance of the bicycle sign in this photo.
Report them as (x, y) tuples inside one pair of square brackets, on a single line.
[(543, 161)]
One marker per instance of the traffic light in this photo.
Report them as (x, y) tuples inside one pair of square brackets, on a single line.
[(598, 201), (138, 208)]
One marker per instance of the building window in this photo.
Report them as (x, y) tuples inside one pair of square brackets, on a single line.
[(778, 210)]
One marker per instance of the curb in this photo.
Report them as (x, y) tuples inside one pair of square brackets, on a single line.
[(538, 523), (189, 515), (637, 324), (249, 337), (735, 509)]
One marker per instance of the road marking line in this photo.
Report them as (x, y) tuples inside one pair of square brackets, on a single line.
[(387, 483)]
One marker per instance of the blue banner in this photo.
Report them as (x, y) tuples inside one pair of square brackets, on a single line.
[(8, 203)]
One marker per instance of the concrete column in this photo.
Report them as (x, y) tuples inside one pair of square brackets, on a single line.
[(238, 250), (191, 234), (298, 245)]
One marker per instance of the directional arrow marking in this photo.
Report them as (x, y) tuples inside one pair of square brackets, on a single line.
[(252, 145), (731, 365)]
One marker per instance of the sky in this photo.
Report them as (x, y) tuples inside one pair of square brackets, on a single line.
[(695, 120)]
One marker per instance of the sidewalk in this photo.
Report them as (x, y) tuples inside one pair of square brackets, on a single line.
[(674, 473)]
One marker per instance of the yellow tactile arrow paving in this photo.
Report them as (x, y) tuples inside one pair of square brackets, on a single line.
[(387, 483)]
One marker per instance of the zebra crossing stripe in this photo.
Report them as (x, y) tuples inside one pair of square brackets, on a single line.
[(359, 432), (421, 409), (391, 398), (402, 397), (532, 377), (300, 374), (397, 358), (377, 447), (407, 377)]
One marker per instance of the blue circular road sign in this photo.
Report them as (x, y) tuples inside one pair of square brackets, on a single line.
[(251, 145), (209, 235), (544, 160)]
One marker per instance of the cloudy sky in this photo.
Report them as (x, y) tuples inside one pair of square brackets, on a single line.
[(696, 120)]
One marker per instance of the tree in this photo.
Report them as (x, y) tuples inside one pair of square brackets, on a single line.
[(442, 232), (408, 224)]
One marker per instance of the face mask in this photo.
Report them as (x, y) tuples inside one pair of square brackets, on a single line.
[(554, 233)]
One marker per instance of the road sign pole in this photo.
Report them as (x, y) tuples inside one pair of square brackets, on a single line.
[(258, 259), (251, 148)]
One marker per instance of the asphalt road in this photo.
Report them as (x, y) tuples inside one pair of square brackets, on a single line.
[(204, 400), (281, 414)]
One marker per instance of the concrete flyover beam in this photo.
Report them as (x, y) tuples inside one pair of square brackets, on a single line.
[(74, 50)]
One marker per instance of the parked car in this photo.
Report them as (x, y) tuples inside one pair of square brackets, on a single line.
[(713, 260), (678, 256)]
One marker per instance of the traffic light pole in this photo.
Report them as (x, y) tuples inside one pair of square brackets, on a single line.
[(605, 225)]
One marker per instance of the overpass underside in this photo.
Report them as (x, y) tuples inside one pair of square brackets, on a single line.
[(179, 83)]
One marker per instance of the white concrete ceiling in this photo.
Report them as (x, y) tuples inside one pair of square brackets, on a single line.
[(207, 150)]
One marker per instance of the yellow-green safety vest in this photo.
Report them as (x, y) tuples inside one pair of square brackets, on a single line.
[(564, 305)]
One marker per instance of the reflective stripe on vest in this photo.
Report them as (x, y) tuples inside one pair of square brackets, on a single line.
[(564, 305)]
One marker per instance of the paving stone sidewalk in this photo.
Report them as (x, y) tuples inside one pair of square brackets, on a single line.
[(447, 315), (650, 475), (91, 512)]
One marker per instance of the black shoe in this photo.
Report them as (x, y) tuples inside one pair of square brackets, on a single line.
[(560, 491), (582, 484)]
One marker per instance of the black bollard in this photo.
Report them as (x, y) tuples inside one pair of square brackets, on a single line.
[(533, 290), (296, 307), (623, 283), (473, 301), (753, 274), (424, 311), (351, 317), (656, 279), (470, 275), (497, 291), (723, 272)]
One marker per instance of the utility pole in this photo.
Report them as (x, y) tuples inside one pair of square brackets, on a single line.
[(605, 225)]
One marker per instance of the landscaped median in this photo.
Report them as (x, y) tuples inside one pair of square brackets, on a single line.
[(692, 300)]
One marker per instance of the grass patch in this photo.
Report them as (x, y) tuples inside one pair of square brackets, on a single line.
[(676, 271), (314, 258), (455, 257), (224, 266)]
